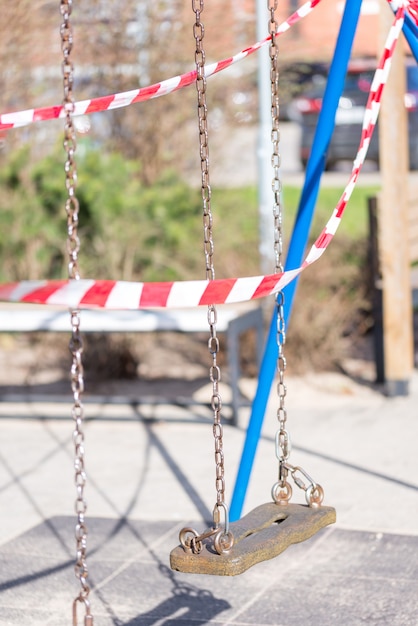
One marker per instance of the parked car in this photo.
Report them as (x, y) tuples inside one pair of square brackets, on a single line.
[(295, 79), (349, 116)]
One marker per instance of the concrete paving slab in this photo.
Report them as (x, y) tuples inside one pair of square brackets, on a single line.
[(150, 471), (337, 577)]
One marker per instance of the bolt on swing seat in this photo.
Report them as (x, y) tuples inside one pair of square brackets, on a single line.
[(262, 534)]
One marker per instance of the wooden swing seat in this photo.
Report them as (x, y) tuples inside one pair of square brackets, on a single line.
[(260, 535)]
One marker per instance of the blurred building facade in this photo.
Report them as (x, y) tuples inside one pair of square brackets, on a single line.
[(124, 44), (315, 35), (233, 25)]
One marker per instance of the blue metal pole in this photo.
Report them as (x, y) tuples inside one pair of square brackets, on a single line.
[(298, 243), (410, 30)]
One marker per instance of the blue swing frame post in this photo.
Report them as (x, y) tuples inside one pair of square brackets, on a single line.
[(298, 242), (410, 30)]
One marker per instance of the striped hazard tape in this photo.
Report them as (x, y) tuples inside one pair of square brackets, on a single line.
[(110, 294), (126, 98), (123, 99), (410, 5), (134, 295)]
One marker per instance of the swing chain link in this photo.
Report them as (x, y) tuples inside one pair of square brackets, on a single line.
[(282, 490), (283, 445), (202, 112), (213, 341), (77, 386), (70, 144), (275, 137), (76, 343)]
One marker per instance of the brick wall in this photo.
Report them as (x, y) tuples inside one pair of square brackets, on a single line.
[(229, 26), (232, 25), (314, 36)]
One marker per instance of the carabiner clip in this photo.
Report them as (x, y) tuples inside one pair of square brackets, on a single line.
[(314, 494)]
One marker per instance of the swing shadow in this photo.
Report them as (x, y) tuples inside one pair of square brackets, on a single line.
[(357, 468), (132, 392), (187, 605), (190, 601), (352, 466)]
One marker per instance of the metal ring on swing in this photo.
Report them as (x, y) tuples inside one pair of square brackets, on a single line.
[(314, 495), (188, 541), (281, 492), (223, 541)]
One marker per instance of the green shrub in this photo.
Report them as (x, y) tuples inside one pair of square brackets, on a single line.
[(127, 231)]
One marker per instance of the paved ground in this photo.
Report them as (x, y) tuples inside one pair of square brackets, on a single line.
[(150, 472)]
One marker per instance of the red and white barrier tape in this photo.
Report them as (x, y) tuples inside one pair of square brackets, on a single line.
[(126, 98), (410, 5), (18, 119), (131, 295), (369, 124), (134, 295)]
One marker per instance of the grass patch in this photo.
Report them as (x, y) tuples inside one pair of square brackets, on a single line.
[(236, 223), (354, 224), (238, 209), (331, 312)]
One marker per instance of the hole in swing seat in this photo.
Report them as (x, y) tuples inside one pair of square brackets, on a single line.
[(256, 531), (260, 535)]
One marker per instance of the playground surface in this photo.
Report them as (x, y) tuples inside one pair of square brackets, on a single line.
[(151, 472)]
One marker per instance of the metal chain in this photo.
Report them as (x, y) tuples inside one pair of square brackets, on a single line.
[(71, 204), (275, 137), (76, 344), (282, 490), (213, 342), (282, 436), (202, 113)]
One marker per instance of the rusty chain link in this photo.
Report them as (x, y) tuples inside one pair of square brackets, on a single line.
[(223, 540), (213, 341), (70, 145), (282, 436), (202, 113), (76, 344), (275, 137), (282, 490)]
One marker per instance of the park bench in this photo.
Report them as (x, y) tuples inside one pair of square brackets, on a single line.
[(376, 274), (233, 322)]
